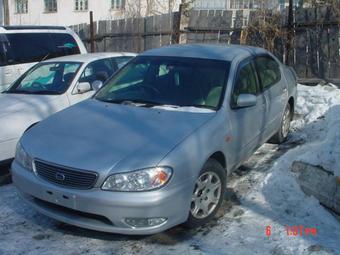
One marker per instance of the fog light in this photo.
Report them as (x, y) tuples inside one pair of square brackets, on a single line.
[(145, 222)]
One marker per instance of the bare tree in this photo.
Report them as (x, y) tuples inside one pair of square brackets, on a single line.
[(264, 28)]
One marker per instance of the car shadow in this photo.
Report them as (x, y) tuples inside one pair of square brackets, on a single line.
[(5, 175)]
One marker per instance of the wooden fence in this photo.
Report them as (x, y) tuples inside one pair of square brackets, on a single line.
[(315, 53)]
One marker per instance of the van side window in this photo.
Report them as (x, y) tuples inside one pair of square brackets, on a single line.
[(245, 83), (23, 48), (3, 57), (64, 44), (268, 71)]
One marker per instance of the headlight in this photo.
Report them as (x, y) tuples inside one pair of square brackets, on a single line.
[(23, 158), (141, 180)]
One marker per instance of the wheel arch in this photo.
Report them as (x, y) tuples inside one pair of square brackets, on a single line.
[(220, 158), (291, 103)]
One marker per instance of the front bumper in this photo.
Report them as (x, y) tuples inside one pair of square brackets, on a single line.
[(103, 210)]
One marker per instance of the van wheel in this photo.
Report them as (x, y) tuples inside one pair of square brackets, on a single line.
[(283, 131), (208, 194)]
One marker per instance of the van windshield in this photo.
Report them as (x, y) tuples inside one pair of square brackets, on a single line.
[(171, 81), (20, 48), (46, 78)]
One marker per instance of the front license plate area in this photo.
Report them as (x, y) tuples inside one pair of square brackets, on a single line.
[(59, 198)]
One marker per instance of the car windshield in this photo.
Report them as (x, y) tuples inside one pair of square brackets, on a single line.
[(46, 78), (168, 81)]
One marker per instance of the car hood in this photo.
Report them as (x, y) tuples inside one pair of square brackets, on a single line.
[(11, 103), (105, 137), (19, 111)]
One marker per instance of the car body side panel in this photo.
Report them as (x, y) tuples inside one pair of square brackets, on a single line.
[(188, 158), (277, 98), (291, 81)]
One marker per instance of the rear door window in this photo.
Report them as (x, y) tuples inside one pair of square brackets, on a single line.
[(98, 70), (268, 71)]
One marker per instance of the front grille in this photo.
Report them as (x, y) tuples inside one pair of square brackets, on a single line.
[(65, 176)]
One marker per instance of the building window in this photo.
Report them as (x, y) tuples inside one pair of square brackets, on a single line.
[(21, 6), (81, 5), (245, 4), (209, 5), (118, 4), (51, 6)]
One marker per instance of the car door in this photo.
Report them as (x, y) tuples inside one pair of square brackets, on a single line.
[(247, 123), (274, 90), (99, 70)]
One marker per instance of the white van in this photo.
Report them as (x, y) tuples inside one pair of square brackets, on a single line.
[(23, 46)]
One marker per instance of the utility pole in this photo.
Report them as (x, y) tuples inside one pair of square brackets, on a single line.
[(91, 32), (290, 31)]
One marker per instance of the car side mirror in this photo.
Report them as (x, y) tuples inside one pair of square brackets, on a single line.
[(96, 85), (246, 100), (83, 87)]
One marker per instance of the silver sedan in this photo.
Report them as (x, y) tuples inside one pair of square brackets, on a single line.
[(153, 148)]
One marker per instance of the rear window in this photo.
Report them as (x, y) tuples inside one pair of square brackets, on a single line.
[(34, 47)]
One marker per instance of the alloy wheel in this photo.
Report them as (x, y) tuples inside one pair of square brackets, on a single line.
[(286, 123), (206, 195)]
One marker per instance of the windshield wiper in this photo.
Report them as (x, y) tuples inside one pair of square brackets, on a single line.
[(136, 102), (200, 106), (44, 92), (38, 92), (15, 91)]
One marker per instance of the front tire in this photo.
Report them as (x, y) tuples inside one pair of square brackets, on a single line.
[(283, 131), (208, 194)]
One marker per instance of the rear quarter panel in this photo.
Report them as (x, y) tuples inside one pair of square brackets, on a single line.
[(291, 79)]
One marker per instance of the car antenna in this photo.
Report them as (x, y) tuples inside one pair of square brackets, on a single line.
[(44, 58)]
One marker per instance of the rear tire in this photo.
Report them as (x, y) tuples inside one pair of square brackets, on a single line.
[(208, 194), (283, 131)]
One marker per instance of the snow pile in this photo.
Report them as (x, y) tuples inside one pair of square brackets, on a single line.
[(318, 123), (326, 153), (313, 102), (319, 108)]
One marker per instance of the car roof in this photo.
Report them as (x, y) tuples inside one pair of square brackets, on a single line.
[(89, 57), (34, 29), (206, 51)]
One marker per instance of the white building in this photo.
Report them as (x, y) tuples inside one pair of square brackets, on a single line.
[(71, 12)]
